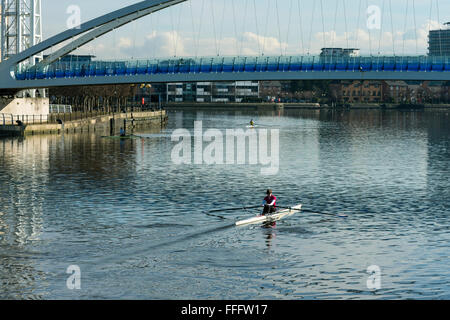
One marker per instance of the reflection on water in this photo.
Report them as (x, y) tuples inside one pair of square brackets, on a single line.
[(135, 222)]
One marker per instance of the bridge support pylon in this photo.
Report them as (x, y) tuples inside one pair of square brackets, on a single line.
[(21, 29)]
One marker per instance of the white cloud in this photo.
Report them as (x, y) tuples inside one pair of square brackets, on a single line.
[(402, 42), (171, 43), (163, 44)]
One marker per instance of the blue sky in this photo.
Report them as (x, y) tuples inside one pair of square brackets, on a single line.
[(190, 29)]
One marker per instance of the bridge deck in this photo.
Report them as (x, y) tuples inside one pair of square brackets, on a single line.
[(75, 69)]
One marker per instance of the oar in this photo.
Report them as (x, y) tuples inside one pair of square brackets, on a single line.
[(209, 213), (340, 215), (232, 209)]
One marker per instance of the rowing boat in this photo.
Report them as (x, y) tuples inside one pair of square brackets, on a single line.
[(271, 218)]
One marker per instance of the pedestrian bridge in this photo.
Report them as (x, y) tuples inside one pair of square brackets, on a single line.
[(239, 68), (16, 74)]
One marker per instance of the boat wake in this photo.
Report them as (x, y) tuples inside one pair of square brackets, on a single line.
[(144, 250)]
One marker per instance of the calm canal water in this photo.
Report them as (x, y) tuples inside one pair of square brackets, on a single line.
[(134, 222)]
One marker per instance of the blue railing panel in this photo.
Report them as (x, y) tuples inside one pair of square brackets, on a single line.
[(318, 65), (250, 65), (131, 68), (447, 66), (413, 65), (295, 64), (102, 69), (70, 72), (60, 72), (21, 75), (142, 68), (353, 64), (217, 67), (378, 65), (40, 73), (366, 64), (261, 65)]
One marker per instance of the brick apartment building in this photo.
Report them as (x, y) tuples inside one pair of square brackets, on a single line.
[(357, 91)]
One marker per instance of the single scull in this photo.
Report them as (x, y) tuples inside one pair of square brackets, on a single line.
[(270, 218)]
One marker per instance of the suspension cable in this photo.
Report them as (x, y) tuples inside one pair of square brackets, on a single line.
[(265, 30), (116, 47), (194, 34), (357, 25), (415, 26), (440, 29), (370, 34), (405, 27), (392, 27), (289, 27), (152, 50), (279, 29), (301, 26), (235, 27), (311, 30), (221, 26), (214, 27), (346, 24), (199, 28), (257, 28), (381, 29), (173, 31), (178, 29), (333, 39), (134, 38), (243, 28), (323, 23)]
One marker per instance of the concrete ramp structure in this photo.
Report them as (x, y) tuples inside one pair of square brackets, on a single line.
[(24, 106)]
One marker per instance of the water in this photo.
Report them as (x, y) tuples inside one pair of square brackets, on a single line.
[(134, 222)]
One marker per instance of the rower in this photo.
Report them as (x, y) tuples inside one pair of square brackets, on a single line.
[(122, 132), (269, 203), (252, 123)]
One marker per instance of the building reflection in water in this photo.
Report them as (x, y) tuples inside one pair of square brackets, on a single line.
[(37, 172), (23, 167)]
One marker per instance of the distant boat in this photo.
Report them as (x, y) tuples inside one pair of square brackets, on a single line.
[(122, 137)]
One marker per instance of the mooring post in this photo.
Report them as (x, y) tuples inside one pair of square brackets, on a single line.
[(111, 124)]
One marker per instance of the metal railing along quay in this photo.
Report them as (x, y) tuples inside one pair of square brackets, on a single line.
[(60, 108), (53, 118)]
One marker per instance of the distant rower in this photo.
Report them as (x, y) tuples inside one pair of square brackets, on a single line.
[(252, 123)]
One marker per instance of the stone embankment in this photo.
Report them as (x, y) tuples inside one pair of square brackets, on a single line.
[(105, 123)]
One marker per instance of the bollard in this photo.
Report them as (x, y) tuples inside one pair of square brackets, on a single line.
[(61, 122), (111, 124)]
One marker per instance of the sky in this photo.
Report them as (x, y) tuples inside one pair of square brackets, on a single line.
[(256, 27)]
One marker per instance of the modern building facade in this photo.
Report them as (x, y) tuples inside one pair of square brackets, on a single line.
[(337, 53), (439, 41), (238, 91)]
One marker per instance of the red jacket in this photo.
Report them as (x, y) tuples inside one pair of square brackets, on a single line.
[(271, 199)]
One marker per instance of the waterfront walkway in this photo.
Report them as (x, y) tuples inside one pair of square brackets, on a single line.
[(25, 125)]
